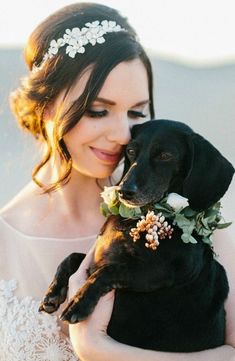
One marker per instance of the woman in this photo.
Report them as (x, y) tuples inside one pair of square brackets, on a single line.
[(90, 81)]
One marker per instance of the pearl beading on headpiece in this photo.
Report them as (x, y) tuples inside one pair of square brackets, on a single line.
[(76, 39)]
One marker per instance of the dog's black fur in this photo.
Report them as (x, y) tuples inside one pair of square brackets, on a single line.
[(171, 299)]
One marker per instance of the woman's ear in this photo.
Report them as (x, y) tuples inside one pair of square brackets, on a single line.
[(49, 111), (47, 114), (209, 176)]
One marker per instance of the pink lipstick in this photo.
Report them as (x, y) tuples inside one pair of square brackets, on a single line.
[(105, 155)]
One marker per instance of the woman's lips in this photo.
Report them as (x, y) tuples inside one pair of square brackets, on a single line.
[(105, 155)]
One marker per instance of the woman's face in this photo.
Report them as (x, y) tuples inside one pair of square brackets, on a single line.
[(96, 142)]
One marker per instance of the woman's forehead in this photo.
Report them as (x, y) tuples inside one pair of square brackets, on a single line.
[(127, 80), (126, 83)]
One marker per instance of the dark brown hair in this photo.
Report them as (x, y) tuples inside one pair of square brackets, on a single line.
[(40, 88)]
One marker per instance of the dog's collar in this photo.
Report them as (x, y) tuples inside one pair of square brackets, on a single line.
[(153, 218)]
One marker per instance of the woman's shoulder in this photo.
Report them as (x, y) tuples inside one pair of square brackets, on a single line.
[(20, 211)]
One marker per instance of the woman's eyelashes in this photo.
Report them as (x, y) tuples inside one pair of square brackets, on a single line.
[(96, 113), (133, 114), (136, 114)]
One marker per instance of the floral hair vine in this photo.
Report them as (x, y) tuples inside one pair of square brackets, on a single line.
[(76, 39), (153, 219)]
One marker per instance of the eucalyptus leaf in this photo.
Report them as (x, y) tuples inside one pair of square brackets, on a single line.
[(205, 222), (211, 213), (160, 208), (203, 231), (189, 212), (114, 210), (127, 212), (137, 211), (188, 229), (207, 240), (104, 209), (182, 221), (187, 238), (223, 225)]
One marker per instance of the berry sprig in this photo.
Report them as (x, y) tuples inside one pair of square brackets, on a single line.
[(156, 228)]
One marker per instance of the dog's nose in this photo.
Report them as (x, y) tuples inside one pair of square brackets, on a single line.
[(128, 191)]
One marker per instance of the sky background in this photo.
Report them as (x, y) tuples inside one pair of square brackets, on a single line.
[(199, 32)]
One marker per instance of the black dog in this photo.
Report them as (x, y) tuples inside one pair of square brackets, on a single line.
[(171, 299)]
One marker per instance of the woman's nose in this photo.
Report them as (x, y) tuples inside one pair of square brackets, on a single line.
[(120, 131)]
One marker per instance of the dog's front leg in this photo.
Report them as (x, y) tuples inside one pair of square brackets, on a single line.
[(57, 291), (98, 284)]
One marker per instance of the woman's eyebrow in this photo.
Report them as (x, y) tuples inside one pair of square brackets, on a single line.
[(144, 102), (105, 101), (110, 102)]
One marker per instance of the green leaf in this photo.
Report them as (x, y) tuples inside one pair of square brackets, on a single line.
[(188, 229), (205, 222), (160, 207), (207, 240), (181, 221), (223, 225), (127, 212), (104, 209), (137, 212), (203, 231), (187, 238), (211, 213), (114, 210), (189, 212)]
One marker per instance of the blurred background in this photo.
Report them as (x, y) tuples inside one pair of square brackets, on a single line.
[(192, 48)]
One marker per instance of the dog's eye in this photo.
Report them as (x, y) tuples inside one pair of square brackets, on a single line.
[(130, 152), (164, 156)]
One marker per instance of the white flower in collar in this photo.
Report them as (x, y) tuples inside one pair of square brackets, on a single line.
[(177, 202), (109, 195)]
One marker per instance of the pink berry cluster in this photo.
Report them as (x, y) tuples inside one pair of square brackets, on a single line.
[(156, 228)]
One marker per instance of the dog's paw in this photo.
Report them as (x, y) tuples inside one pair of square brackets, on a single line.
[(53, 299), (76, 311)]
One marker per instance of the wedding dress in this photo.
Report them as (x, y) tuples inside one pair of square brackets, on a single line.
[(27, 266)]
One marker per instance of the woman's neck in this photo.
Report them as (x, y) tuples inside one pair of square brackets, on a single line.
[(80, 196), (70, 212), (80, 193)]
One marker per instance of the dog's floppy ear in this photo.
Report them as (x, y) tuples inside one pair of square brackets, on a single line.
[(209, 175)]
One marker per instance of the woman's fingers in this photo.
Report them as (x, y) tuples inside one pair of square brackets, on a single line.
[(79, 278), (95, 325)]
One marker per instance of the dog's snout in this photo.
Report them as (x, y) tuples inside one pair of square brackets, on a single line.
[(128, 191)]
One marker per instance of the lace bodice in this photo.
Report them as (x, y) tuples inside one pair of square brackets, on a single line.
[(27, 266), (26, 334)]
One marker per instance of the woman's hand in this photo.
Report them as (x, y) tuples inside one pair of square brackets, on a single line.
[(86, 334), (78, 279)]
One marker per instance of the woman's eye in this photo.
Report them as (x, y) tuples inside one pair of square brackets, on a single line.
[(135, 114), (96, 113)]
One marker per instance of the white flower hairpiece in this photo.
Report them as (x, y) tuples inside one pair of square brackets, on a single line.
[(76, 39)]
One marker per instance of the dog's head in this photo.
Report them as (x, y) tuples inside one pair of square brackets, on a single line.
[(166, 156)]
